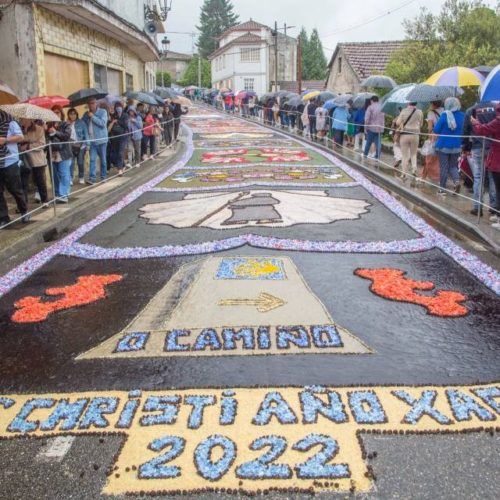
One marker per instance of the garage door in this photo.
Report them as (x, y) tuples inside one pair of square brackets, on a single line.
[(63, 75)]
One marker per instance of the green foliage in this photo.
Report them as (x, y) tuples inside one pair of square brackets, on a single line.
[(167, 79), (216, 17), (464, 33), (191, 74), (314, 63)]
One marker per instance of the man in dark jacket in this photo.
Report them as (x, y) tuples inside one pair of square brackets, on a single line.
[(118, 130), (177, 112)]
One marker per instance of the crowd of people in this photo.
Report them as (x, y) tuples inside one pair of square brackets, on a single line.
[(120, 136), (445, 137)]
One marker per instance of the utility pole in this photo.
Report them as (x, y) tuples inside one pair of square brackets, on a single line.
[(199, 70), (276, 56)]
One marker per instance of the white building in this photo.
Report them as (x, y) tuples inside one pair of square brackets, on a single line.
[(245, 59)]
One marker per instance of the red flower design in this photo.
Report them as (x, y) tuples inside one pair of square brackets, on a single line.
[(87, 289), (391, 284)]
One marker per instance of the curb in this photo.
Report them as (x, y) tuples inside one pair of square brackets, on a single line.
[(84, 210), (409, 195)]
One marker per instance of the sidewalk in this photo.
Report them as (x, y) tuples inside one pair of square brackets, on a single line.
[(85, 202)]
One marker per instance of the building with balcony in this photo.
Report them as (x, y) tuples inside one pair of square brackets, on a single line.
[(55, 47), (246, 58)]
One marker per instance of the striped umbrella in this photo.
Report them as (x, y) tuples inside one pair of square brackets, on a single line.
[(457, 76), (311, 95), (491, 86), (7, 95), (30, 112)]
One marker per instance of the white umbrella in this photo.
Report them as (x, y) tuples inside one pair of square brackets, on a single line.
[(30, 112), (379, 81)]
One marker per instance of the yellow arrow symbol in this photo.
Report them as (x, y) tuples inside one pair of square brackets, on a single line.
[(265, 302)]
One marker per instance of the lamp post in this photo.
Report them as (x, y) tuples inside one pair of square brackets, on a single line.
[(166, 45)]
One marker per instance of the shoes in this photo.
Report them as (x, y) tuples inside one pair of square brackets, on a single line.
[(441, 193), (26, 218), (4, 222), (475, 211), (62, 200), (81, 181), (496, 225), (457, 187), (90, 182), (120, 172), (71, 182), (45, 205), (494, 218)]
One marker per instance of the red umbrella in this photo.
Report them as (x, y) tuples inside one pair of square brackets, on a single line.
[(47, 101)]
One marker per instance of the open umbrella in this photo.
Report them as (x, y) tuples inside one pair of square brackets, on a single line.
[(83, 96), (424, 92), (491, 86), (326, 95), (183, 101), (7, 95), (379, 82), (30, 112), (330, 104), (166, 93), (359, 100), (265, 97), (110, 100), (341, 101), (47, 101), (398, 97), (143, 97), (457, 76), (294, 102), (484, 70), (311, 95)]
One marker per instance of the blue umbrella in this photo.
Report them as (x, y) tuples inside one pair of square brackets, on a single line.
[(491, 87), (329, 104)]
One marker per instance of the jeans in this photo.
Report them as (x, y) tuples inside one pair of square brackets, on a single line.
[(338, 136), (79, 159), (95, 151), (373, 138), (10, 179), (117, 153), (62, 177), (475, 163), (448, 166), (148, 141)]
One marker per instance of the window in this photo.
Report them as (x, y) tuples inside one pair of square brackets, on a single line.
[(249, 54), (129, 82), (340, 65), (100, 78), (248, 84)]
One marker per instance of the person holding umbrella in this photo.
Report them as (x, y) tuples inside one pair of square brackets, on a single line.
[(492, 129), (10, 178), (449, 129), (59, 135), (96, 120)]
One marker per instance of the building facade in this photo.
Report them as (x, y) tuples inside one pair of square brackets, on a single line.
[(56, 47), (351, 63), (175, 64), (246, 58)]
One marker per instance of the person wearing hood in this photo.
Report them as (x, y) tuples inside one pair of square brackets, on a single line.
[(449, 130), (118, 130), (492, 130), (135, 129)]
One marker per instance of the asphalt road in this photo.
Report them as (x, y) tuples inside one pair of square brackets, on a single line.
[(221, 297)]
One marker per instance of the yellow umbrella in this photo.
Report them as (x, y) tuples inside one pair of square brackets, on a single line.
[(457, 76), (311, 95)]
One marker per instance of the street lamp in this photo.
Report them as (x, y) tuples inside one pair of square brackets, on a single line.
[(166, 45)]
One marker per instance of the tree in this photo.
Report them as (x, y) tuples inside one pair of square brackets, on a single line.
[(191, 74), (317, 64), (216, 17), (464, 33), (304, 46), (163, 79)]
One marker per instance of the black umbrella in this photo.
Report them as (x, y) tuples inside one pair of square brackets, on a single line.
[(295, 101), (156, 97), (166, 93), (379, 82), (144, 97), (84, 95)]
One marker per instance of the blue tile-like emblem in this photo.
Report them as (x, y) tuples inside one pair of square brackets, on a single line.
[(250, 268)]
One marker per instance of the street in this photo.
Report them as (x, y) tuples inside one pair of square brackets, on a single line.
[(259, 317)]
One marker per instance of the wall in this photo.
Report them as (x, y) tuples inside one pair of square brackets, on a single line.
[(346, 80), (64, 37), (130, 10)]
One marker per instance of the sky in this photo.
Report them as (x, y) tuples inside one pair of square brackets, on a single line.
[(336, 20)]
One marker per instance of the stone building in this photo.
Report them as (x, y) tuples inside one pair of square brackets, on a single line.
[(246, 58), (175, 64), (353, 62), (55, 47)]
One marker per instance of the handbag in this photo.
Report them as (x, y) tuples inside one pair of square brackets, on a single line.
[(397, 134), (428, 148)]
